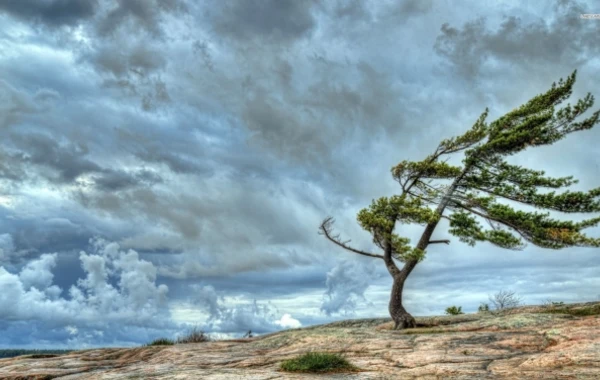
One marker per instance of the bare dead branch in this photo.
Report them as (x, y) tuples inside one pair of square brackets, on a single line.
[(325, 229)]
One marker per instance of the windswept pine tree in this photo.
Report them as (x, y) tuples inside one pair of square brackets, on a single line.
[(472, 193)]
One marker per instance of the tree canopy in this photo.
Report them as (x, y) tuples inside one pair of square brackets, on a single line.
[(473, 192)]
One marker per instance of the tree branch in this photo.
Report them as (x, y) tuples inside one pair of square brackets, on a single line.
[(325, 229), (423, 198), (446, 241), (490, 218)]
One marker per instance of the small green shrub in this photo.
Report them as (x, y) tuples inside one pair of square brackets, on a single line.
[(161, 342), (318, 362), (484, 307), (453, 310)]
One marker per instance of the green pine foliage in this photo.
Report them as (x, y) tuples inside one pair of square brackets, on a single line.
[(485, 179), (476, 197)]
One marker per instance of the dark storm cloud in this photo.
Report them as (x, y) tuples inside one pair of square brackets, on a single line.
[(355, 10), (263, 19), (51, 234), (112, 180), (212, 138), (11, 167), (141, 59), (68, 161), (16, 103), (146, 15), (409, 8), (52, 13), (178, 162), (354, 95), (564, 39), (65, 163)]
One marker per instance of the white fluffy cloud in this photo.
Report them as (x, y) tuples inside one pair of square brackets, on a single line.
[(287, 321), (119, 289), (259, 318)]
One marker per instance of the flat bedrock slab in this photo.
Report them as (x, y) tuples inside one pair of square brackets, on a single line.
[(521, 343)]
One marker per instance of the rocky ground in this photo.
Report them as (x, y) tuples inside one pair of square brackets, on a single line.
[(561, 342)]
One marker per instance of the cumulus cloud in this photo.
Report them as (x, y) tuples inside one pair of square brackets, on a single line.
[(240, 318), (119, 290), (8, 252), (287, 322), (346, 285)]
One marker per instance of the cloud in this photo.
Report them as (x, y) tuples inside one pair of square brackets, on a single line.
[(139, 58), (263, 19), (38, 273), (8, 252), (346, 285), (564, 39), (213, 137), (15, 103), (66, 162), (146, 15), (51, 13), (410, 7), (287, 322), (240, 318), (93, 304)]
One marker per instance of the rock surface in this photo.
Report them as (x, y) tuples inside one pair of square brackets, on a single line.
[(523, 343)]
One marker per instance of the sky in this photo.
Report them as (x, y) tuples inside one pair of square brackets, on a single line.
[(165, 164)]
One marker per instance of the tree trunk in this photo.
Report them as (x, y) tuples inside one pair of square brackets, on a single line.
[(402, 319)]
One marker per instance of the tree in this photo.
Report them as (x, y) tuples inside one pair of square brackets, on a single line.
[(505, 299), (464, 195)]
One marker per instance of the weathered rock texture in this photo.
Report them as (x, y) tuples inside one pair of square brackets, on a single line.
[(523, 343)]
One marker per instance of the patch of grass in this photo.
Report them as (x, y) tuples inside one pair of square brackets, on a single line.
[(318, 362), (161, 342), (195, 335), (581, 312)]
